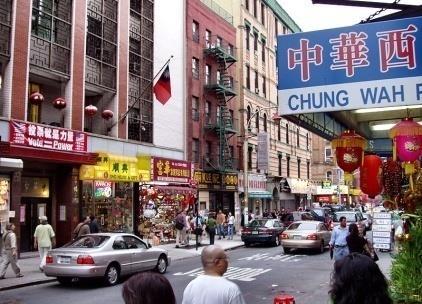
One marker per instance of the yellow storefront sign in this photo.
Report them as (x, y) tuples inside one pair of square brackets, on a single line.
[(117, 168)]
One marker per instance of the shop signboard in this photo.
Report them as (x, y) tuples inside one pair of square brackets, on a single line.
[(358, 67), (263, 148), (381, 230), (102, 189), (216, 181), (256, 182), (171, 170), (46, 137)]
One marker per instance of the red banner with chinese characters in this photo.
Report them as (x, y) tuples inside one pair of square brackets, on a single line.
[(171, 170), (47, 137)]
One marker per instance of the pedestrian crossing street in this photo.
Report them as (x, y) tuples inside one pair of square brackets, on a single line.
[(278, 257), (233, 273)]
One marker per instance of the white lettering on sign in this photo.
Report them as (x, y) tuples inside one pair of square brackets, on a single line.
[(62, 146), (385, 234), (382, 221), (381, 240), (381, 227), (358, 95), (233, 273), (382, 215)]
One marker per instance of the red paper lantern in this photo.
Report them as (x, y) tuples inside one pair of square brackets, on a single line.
[(349, 152), (36, 98), (91, 110), (371, 175), (59, 103), (107, 114)]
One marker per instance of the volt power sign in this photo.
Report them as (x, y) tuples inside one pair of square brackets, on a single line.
[(357, 67)]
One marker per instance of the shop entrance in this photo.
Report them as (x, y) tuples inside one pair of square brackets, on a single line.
[(34, 207)]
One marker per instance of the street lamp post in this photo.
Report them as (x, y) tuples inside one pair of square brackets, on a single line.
[(245, 155)]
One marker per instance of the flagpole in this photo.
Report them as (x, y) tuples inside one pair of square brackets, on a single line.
[(124, 115)]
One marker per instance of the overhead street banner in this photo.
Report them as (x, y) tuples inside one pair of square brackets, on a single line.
[(357, 67)]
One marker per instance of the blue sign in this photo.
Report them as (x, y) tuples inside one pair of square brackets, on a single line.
[(362, 66)]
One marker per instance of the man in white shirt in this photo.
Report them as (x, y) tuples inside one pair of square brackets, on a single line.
[(211, 287), (230, 226), (338, 240)]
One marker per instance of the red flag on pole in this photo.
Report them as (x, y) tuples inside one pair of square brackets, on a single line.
[(162, 88)]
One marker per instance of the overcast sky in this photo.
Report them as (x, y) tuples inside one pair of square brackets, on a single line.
[(322, 16)]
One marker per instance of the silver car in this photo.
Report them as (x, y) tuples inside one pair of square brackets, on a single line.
[(106, 255), (305, 234)]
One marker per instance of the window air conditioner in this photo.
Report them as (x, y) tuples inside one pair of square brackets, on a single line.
[(256, 91)]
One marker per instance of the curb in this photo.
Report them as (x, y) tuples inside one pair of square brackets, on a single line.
[(53, 280)]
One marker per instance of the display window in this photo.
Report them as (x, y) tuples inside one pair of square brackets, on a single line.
[(111, 203), (4, 199)]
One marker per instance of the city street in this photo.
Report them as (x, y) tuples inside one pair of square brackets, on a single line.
[(261, 273)]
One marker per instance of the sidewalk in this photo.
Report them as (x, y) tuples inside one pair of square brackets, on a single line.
[(29, 262)]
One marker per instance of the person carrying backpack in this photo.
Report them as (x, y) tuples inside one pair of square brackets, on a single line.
[(180, 225)]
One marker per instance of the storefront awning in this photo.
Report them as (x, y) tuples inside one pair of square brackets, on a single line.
[(260, 194), (12, 164)]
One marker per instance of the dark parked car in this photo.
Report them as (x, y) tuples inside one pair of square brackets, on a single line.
[(263, 231), (324, 215)]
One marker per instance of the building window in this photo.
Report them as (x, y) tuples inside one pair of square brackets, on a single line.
[(265, 122), (247, 5), (255, 8), (328, 154), (207, 112), (308, 169), (255, 41), (195, 108), (257, 121), (195, 68), (248, 117), (284, 30), (247, 35), (264, 86), (276, 27), (256, 83), (207, 38), (207, 74), (329, 175), (263, 42), (248, 77), (288, 166), (298, 167), (6, 29), (219, 41), (287, 133), (208, 146), (195, 31), (297, 137), (230, 49), (279, 131), (249, 158), (218, 77), (307, 141), (262, 13), (280, 158), (195, 150)]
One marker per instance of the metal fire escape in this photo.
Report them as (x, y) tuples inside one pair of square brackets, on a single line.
[(223, 90)]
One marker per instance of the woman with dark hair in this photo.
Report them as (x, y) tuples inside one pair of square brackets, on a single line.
[(357, 279), (355, 242), (148, 288)]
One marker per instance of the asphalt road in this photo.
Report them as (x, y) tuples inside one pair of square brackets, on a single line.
[(261, 273)]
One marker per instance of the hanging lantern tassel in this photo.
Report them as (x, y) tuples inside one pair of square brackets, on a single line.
[(348, 178), (394, 150), (409, 169)]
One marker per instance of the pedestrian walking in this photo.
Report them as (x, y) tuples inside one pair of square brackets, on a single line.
[(212, 287), (188, 228), (82, 228), (211, 225), (221, 219), (44, 239), (198, 224), (93, 225), (230, 226), (148, 288), (180, 223), (10, 252), (338, 240), (358, 279)]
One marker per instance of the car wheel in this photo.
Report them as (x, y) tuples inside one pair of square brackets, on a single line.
[(112, 274), (286, 250), (277, 241), (321, 247), (64, 280), (247, 244), (161, 264)]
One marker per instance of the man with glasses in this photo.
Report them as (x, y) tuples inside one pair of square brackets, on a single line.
[(338, 240), (211, 287)]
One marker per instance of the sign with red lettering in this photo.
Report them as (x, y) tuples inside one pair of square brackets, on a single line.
[(171, 170), (46, 137)]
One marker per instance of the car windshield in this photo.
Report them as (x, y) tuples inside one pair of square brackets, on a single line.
[(350, 216), (320, 212), (302, 226), (88, 241), (261, 223)]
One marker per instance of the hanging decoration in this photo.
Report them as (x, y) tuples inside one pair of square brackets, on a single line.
[(392, 178), (59, 103), (349, 153), (107, 114), (407, 145), (91, 110), (36, 98), (371, 175)]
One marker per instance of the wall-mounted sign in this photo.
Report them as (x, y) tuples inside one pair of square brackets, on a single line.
[(171, 170), (4, 193), (102, 189), (216, 181), (46, 137), (263, 148), (363, 66), (256, 182), (35, 187)]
